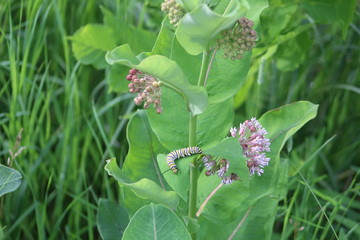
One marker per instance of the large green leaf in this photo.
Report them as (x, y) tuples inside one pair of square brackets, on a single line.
[(331, 11), (256, 224), (155, 222), (198, 28), (91, 42), (171, 126), (180, 182), (167, 71), (111, 219), (140, 161), (10, 180), (230, 201), (144, 188)]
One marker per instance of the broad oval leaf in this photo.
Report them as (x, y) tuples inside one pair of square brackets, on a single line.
[(111, 219), (198, 28), (281, 123), (180, 182), (91, 42), (144, 188), (171, 126), (10, 180), (168, 71), (141, 161), (155, 222)]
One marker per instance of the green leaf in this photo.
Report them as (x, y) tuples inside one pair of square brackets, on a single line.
[(331, 11), (230, 201), (141, 40), (180, 182), (260, 214), (143, 188), (226, 77), (155, 222), (116, 79), (10, 180), (189, 5), (212, 126), (111, 219), (293, 52), (91, 42), (198, 28), (167, 71), (141, 161)]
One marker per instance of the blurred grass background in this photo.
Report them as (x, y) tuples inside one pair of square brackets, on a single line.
[(72, 123)]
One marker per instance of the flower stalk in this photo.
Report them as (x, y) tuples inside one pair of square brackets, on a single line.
[(194, 169)]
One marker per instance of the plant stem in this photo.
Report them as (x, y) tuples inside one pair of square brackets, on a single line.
[(192, 142)]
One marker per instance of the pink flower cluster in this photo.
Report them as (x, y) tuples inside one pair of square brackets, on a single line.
[(219, 168), (251, 136), (147, 87)]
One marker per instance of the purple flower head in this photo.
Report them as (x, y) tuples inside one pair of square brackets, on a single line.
[(147, 88), (251, 136), (220, 167)]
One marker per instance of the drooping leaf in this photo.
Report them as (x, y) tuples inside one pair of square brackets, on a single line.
[(141, 159), (111, 219), (198, 28), (144, 188), (155, 222), (10, 180), (167, 71), (91, 42)]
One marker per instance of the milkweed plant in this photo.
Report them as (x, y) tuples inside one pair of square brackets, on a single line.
[(191, 171)]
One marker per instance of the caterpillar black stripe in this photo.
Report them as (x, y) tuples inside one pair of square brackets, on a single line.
[(180, 153)]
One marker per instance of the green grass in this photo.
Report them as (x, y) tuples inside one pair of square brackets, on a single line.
[(72, 124)]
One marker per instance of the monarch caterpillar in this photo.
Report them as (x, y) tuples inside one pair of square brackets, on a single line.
[(180, 153)]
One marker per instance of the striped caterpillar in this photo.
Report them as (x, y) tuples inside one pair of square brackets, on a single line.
[(180, 153)]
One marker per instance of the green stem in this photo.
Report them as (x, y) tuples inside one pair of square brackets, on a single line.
[(192, 142)]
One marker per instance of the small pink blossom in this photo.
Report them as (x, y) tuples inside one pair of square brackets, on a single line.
[(147, 88)]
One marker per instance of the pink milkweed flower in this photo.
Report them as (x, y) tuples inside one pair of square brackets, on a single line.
[(251, 136), (147, 88)]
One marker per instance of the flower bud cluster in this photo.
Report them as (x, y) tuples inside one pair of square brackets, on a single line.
[(173, 10), (147, 87), (235, 42), (218, 167), (251, 136)]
